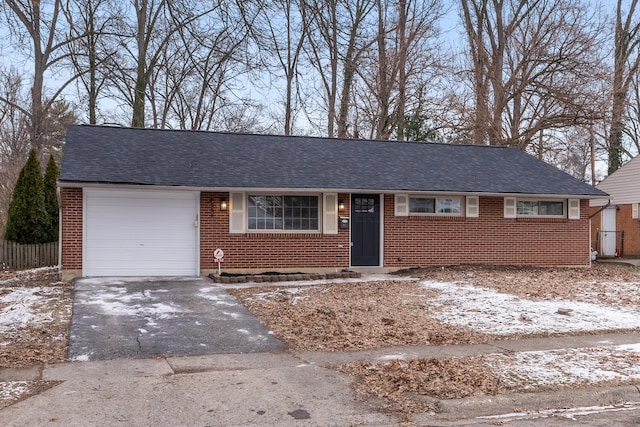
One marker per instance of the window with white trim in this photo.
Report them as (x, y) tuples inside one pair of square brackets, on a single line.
[(283, 212), (546, 208), (435, 205)]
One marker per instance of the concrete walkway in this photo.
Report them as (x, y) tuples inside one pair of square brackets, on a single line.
[(634, 262), (269, 389)]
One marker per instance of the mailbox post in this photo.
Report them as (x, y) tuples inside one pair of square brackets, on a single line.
[(218, 257)]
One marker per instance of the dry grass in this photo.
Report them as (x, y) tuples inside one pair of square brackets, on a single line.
[(356, 316), (396, 312), (37, 343), (404, 384), (344, 317), (586, 285)]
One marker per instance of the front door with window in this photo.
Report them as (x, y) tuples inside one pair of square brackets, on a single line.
[(365, 230)]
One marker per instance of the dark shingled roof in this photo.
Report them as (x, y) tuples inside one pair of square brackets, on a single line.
[(102, 154)]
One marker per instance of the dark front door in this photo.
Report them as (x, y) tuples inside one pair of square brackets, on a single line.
[(365, 230)]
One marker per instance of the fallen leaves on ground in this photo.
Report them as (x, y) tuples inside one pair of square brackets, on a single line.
[(35, 313), (35, 309), (359, 316), (343, 317), (14, 391), (352, 316), (579, 284), (414, 385)]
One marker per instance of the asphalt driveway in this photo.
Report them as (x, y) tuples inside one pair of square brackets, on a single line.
[(145, 317)]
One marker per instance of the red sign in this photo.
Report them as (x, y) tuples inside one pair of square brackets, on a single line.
[(218, 259)]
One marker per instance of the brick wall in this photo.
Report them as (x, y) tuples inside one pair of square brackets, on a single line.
[(408, 241), (630, 239), (71, 201), (266, 251), (596, 222), (489, 239), (631, 231)]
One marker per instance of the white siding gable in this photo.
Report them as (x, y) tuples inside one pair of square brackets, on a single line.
[(622, 185)]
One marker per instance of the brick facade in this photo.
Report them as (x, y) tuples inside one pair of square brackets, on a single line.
[(409, 241), (266, 251), (71, 221), (488, 239), (628, 242)]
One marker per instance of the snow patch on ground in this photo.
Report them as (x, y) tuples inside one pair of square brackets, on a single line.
[(392, 357), (567, 367), (81, 358), (13, 390), (213, 294), (295, 292), (486, 310), (570, 413), (20, 306), (20, 276), (119, 308), (630, 347), (116, 301)]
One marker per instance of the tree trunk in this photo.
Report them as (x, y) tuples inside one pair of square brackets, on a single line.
[(402, 72), (625, 42), (383, 82), (140, 88), (39, 63)]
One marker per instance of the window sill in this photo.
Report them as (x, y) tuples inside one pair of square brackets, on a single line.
[(427, 217), (542, 219), (283, 234)]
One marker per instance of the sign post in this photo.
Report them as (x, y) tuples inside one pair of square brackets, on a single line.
[(218, 257)]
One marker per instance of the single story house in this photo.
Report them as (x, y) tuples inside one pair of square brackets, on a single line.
[(615, 223), (160, 202)]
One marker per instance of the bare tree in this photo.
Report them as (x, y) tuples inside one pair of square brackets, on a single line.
[(42, 27), (626, 63), (91, 25), (15, 129), (632, 127), (192, 85), (339, 36), (14, 136), (143, 41), (285, 24), (395, 72), (534, 68)]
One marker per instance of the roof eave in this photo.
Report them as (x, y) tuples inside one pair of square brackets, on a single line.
[(82, 184)]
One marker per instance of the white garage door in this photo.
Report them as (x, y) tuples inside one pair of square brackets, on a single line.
[(140, 233)]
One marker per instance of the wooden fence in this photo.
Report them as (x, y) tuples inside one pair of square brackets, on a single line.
[(16, 256)]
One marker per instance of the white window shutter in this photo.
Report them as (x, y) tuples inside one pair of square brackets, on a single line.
[(402, 205), (473, 210), (510, 207), (634, 211), (574, 208), (330, 217), (236, 213)]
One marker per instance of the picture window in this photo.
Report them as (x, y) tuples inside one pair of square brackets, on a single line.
[(283, 212)]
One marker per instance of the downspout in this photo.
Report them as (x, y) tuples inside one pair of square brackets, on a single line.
[(601, 209)]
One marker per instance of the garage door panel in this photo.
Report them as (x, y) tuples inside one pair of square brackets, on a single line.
[(132, 232), (128, 231), (175, 246)]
